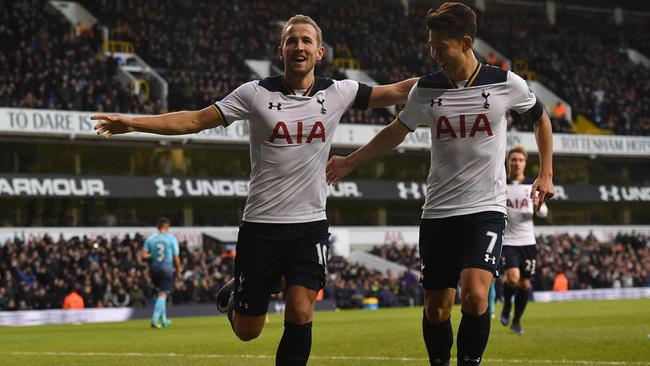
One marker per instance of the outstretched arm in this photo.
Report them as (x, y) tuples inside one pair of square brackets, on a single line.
[(544, 182), (175, 123), (388, 138), (391, 94)]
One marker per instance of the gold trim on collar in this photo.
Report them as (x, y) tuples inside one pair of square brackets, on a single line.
[(473, 76)]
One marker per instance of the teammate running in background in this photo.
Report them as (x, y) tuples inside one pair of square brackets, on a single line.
[(463, 216), (519, 251), (161, 250)]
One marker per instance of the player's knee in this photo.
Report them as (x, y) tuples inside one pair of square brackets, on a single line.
[(438, 314), (247, 334), (299, 314), (474, 302), (524, 284), (512, 279)]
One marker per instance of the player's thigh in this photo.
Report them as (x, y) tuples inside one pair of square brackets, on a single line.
[(248, 327), (305, 261), (481, 240), (257, 268), (439, 254)]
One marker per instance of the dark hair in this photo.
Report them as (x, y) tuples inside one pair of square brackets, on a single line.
[(163, 221), (455, 19)]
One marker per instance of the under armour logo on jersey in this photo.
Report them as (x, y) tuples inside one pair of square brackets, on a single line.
[(486, 104), (163, 187), (436, 101), (271, 106), (322, 105), (489, 258)]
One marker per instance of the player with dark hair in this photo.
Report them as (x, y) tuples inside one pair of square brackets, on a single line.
[(463, 216), (284, 230), (519, 251), (161, 250)]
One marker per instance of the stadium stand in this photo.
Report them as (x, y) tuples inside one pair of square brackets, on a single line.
[(203, 60), (39, 273), (44, 64)]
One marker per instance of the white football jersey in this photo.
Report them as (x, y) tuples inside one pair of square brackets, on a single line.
[(468, 137), (520, 230), (290, 139)]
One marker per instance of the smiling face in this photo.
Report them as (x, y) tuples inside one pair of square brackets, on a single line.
[(448, 51), (300, 50)]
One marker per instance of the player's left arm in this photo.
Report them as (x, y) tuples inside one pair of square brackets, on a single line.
[(543, 185), (524, 101), (177, 260), (391, 94)]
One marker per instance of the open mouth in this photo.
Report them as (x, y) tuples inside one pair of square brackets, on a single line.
[(299, 59)]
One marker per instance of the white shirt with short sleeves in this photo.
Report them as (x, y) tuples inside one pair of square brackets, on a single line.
[(520, 230), (468, 138), (290, 139)]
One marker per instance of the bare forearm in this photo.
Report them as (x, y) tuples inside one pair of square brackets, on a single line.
[(387, 139), (175, 123), (544, 138)]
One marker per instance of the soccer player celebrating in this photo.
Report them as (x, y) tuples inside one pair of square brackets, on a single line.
[(463, 215), (519, 251), (161, 250), (284, 232)]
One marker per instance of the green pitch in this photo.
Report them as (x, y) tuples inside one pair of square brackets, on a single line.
[(578, 333)]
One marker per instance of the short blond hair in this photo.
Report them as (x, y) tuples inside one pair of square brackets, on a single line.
[(518, 149), (301, 19)]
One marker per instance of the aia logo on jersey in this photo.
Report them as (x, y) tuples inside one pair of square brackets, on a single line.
[(516, 203), (481, 124), (281, 132)]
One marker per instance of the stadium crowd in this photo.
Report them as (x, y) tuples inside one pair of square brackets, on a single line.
[(590, 70), (203, 60), (39, 273), (45, 64)]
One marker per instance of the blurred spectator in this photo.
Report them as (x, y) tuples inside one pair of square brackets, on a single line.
[(73, 301), (560, 283)]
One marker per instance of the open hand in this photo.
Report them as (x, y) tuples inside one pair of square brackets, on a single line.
[(337, 168), (112, 124)]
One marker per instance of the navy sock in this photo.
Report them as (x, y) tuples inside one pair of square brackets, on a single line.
[(473, 335), (521, 299), (508, 291), (295, 345), (438, 339)]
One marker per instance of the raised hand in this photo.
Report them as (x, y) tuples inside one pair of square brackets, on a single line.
[(112, 124)]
